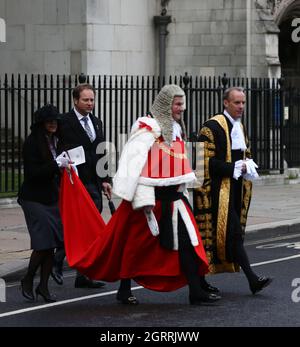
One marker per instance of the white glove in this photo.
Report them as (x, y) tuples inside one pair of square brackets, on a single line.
[(251, 170), (238, 169), (152, 222), (62, 160)]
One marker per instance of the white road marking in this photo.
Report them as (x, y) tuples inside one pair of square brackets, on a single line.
[(272, 239), (276, 260), (58, 303)]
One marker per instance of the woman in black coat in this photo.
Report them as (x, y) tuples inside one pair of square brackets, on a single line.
[(38, 197)]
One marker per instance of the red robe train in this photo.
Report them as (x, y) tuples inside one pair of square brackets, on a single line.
[(124, 248)]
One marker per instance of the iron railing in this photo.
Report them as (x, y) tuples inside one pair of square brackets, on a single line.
[(120, 100)]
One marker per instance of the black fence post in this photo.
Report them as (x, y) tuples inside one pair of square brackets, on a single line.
[(254, 116), (186, 82), (224, 81), (282, 135)]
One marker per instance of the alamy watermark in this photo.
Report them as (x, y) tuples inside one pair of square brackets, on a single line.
[(167, 167), (296, 31), (2, 290), (2, 30), (296, 292)]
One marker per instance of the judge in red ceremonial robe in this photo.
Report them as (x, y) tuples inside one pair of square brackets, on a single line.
[(152, 237)]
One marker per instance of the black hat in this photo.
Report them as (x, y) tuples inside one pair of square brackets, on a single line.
[(46, 113)]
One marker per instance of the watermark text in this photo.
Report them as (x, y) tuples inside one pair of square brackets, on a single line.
[(2, 290), (296, 292), (296, 31), (2, 30)]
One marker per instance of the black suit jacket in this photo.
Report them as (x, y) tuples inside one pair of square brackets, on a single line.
[(73, 135), (41, 172)]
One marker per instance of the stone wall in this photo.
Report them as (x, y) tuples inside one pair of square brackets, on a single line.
[(73, 36), (210, 37), (38, 35), (121, 37), (201, 41), (118, 37)]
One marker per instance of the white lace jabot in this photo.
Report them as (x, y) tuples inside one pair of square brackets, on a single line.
[(176, 131), (237, 135)]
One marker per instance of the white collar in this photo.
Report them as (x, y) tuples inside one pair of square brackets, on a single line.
[(229, 117), (79, 115)]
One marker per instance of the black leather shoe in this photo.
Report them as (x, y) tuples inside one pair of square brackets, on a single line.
[(129, 300), (58, 277), (27, 292), (209, 288), (209, 299), (260, 284), (83, 282)]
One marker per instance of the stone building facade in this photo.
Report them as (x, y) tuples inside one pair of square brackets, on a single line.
[(119, 37), (73, 36)]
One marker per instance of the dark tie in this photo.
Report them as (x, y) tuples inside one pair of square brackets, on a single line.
[(87, 128)]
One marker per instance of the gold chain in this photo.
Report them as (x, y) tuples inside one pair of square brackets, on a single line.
[(169, 152)]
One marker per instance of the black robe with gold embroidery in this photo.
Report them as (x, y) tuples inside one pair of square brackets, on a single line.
[(221, 204)]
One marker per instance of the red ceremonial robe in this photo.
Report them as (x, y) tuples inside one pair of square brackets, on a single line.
[(124, 248)]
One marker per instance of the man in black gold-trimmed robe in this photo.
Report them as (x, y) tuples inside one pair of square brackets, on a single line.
[(221, 204)]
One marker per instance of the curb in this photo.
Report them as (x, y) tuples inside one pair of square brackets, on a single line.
[(271, 180), (20, 228), (13, 269), (289, 225), (9, 203), (288, 228)]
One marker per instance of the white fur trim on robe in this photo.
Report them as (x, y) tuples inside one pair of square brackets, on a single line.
[(144, 196), (134, 157), (179, 207)]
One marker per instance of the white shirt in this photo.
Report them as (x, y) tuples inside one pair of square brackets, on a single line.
[(237, 135), (90, 123)]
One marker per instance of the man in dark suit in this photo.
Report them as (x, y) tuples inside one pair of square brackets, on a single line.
[(81, 128)]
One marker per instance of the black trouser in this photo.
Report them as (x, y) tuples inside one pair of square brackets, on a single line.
[(189, 261), (124, 290), (236, 248), (95, 194), (59, 257)]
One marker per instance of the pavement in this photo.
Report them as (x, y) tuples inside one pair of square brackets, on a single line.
[(275, 205)]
